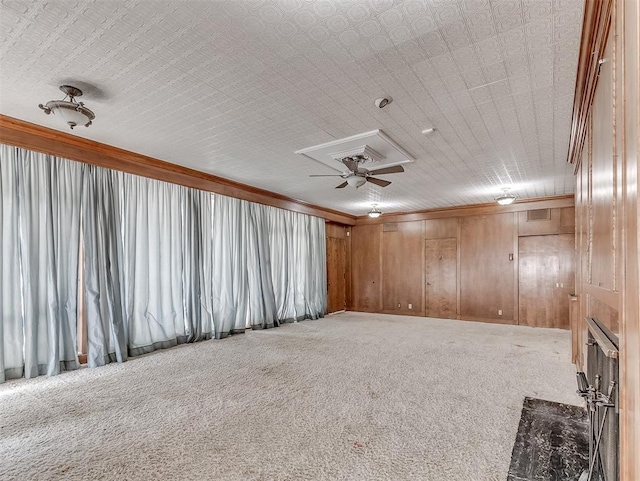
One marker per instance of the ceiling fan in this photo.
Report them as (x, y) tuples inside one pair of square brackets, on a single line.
[(357, 177)]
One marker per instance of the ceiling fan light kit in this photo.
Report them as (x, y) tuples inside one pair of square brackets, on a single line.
[(506, 198), (357, 177), (73, 113), (356, 181)]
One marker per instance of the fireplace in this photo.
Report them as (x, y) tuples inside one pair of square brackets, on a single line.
[(599, 387)]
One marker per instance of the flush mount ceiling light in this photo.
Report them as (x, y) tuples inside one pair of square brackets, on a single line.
[(73, 113), (506, 198), (374, 213)]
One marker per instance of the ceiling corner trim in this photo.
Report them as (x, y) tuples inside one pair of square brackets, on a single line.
[(551, 202), (42, 139), (595, 29)]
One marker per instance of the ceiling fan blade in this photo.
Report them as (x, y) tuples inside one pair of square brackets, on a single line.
[(380, 182), (395, 169), (343, 185), (351, 164), (326, 175)]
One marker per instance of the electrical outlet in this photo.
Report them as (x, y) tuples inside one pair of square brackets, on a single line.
[(399, 305), (499, 312), (410, 306)]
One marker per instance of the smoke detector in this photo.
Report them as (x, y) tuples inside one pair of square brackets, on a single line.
[(383, 102)]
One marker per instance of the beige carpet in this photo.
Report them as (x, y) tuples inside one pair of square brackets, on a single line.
[(352, 396)]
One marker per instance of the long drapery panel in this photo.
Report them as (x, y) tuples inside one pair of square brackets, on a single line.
[(163, 264), (230, 281), (104, 267), (269, 266), (197, 275), (153, 263), (298, 260), (262, 313), (39, 317), (11, 330)]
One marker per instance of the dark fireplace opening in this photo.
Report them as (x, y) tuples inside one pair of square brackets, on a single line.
[(599, 387)]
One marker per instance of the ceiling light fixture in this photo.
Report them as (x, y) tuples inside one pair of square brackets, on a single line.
[(374, 213), (73, 113), (505, 198)]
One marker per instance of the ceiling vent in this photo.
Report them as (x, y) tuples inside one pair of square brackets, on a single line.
[(538, 214), (362, 154), (373, 147)]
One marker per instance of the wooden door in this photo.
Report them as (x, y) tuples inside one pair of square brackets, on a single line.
[(546, 278), (441, 269), (366, 267), (488, 281), (336, 274), (402, 260)]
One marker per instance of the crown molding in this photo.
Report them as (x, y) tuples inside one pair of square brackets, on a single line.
[(595, 29), (474, 209), (42, 139)]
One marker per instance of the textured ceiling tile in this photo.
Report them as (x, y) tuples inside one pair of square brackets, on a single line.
[(235, 87)]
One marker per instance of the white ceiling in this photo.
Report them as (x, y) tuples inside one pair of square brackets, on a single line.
[(235, 87)]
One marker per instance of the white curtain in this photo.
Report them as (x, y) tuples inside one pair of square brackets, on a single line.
[(148, 265), (263, 313), (11, 330), (298, 258), (163, 264), (153, 264), (41, 197), (197, 274), (104, 267), (269, 264)]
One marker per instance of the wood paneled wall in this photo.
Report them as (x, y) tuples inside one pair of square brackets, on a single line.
[(607, 210), (391, 259)]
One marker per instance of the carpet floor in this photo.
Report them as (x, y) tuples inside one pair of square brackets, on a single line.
[(351, 396)]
